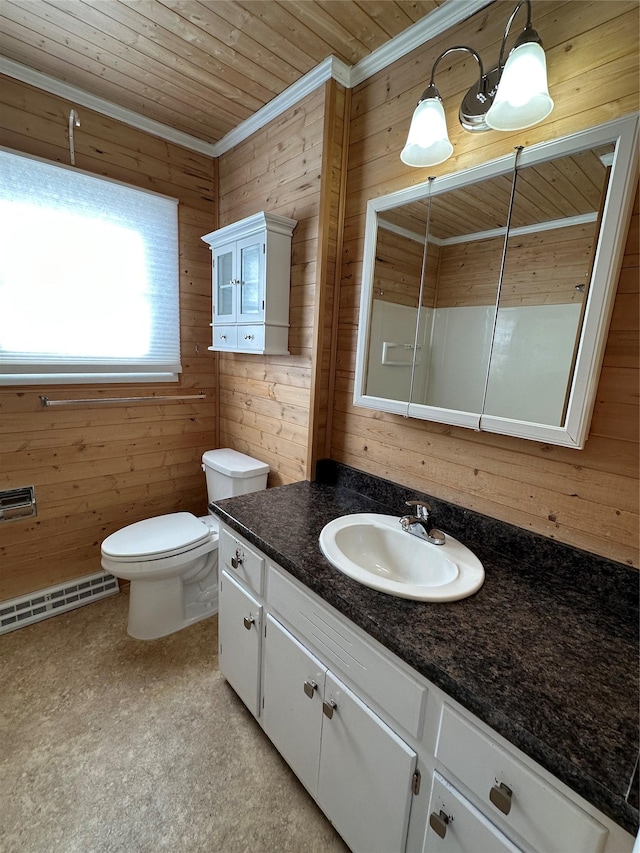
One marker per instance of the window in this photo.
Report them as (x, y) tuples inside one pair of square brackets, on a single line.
[(88, 278)]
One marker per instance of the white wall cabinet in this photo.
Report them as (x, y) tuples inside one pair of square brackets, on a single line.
[(251, 278), (395, 764)]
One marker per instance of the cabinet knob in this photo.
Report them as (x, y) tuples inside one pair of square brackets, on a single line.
[(328, 708), (310, 687), (438, 821), (237, 560), (223, 337), (500, 795), (248, 622)]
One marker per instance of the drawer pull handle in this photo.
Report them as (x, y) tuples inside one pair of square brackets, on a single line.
[(237, 560), (500, 795), (248, 622), (310, 687), (439, 822), (249, 337), (328, 708)]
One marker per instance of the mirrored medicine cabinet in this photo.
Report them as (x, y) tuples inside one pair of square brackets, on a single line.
[(486, 294)]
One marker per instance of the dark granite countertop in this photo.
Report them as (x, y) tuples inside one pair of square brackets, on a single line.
[(546, 652)]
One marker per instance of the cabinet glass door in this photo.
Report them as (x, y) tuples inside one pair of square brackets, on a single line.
[(250, 296), (223, 308)]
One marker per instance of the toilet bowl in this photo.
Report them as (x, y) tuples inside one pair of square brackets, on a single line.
[(171, 560)]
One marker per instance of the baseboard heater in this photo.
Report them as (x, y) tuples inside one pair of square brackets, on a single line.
[(27, 609)]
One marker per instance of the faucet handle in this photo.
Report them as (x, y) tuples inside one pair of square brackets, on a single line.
[(421, 508)]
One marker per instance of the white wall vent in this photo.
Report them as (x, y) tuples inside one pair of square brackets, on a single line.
[(17, 612)]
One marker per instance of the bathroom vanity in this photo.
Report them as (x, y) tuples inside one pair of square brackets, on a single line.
[(506, 721)]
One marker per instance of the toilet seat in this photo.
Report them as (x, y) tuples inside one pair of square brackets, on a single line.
[(159, 538)]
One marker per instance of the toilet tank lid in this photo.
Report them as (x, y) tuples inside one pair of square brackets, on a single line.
[(234, 464)]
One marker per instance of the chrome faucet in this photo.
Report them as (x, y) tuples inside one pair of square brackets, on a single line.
[(419, 524)]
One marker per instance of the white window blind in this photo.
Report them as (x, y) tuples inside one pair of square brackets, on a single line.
[(88, 277)]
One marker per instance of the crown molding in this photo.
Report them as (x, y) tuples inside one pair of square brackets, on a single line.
[(81, 98), (329, 68), (445, 16), (451, 12)]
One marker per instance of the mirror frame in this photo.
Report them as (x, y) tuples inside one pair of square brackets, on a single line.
[(601, 294)]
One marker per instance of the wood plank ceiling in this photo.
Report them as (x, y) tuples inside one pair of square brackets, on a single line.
[(198, 66)]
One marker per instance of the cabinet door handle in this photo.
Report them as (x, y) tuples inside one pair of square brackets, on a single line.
[(439, 822), (249, 337), (310, 687), (248, 622), (328, 708), (500, 795), (223, 337), (237, 560)]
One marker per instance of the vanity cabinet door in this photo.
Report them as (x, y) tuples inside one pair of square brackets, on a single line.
[(366, 773), (456, 826), (356, 768), (292, 702), (239, 640)]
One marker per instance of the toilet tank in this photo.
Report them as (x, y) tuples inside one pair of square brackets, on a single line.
[(231, 473)]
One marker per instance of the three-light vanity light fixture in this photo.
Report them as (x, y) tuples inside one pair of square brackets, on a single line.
[(511, 96)]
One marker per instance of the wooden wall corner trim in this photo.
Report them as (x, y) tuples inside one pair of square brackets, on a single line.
[(328, 268)]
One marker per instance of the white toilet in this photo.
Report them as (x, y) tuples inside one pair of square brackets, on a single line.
[(172, 560)]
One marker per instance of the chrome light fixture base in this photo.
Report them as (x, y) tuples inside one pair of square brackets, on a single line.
[(476, 103)]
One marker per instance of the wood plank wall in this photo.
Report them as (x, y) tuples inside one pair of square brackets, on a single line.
[(540, 269), (96, 469), (398, 269), (291, 167), (586, 498)]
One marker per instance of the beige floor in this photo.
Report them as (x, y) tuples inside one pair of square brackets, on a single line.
[(112, 744)]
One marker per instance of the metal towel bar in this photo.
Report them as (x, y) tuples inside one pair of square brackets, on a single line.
[(166, 399)]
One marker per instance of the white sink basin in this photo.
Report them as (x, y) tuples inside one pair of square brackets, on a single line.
[(375, 551)]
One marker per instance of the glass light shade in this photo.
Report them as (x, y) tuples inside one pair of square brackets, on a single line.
[(522, 98), (428, 141)]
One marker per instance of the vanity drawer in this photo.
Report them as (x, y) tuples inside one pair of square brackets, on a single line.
[(457, 826), (386, 683), (539, 813), (247, 564)]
